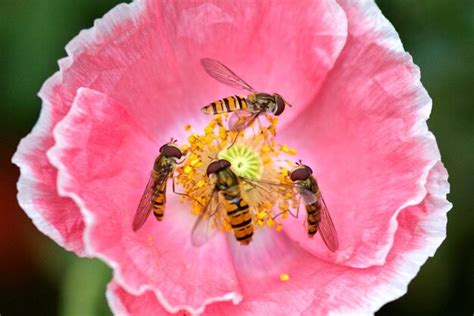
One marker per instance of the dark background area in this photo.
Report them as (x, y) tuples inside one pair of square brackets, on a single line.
[(39, 277)]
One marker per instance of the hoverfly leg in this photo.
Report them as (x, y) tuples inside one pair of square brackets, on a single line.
[(235, 139), (182, 194), (290, 212)]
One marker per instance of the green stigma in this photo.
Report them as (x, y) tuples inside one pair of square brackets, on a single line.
[(244, 161)]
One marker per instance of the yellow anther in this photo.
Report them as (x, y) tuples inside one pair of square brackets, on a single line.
[(284, 215), (284, 277), (266, 148), (283, 206), (292, 151), (222, 133), (187, 127), (261, 215), (284, 148), (267, 204), (271, 222), (192, 139), (200, 184), (279, 227), (188, 170), (194, 162), (261, 222), (209, 129)]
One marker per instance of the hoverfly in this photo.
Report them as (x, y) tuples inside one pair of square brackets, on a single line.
[(317, 214), (237, 210), (154, 197), (245, 109)]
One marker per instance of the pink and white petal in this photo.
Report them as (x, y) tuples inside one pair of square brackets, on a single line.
[(316, 287), (104, 158), (123, 303), (146, 54), (370, 147), (57, 217)]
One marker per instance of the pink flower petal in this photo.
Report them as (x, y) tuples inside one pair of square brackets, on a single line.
[(55, 216), (146, 55), (104, 167), (123, 303), (317, 287), (370, 147)]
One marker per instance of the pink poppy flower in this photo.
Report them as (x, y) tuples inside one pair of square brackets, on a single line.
[(358, 118)]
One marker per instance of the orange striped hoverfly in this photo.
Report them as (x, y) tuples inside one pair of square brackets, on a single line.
[(154, 197), (245, 109), (317, 214), (237, 210)]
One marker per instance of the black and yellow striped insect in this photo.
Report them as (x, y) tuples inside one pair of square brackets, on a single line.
[(237, 211), (154, 197), (245, 109), (318, 218)]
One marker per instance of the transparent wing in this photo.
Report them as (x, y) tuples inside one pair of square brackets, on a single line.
[(265, 190), (240, 120), (327, 229), (260, 190), (308, 196), (145, 205), (273, 191), (202, 230), (223, 74)]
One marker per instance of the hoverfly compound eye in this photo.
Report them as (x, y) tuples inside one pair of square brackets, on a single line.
[(280, 104), (217, 165), (301, 172), (171, 151)]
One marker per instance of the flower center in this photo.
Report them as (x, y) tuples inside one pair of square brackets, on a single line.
[(245, 162), (253, 156)]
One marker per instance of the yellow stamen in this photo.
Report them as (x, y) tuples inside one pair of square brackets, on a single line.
[(284, 277), (279, 227), (253, 156)]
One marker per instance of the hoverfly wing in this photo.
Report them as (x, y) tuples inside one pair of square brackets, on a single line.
[(237, 118), (145, 206), (269, 190), (202, 230), (327, 229), (223, 74), (241, 120), (308, 196)]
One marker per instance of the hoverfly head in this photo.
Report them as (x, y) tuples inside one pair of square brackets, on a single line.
[(217, 165), (300, 172), (171, 150), (279, 104)]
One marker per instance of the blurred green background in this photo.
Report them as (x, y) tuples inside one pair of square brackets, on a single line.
[(38, 277)]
